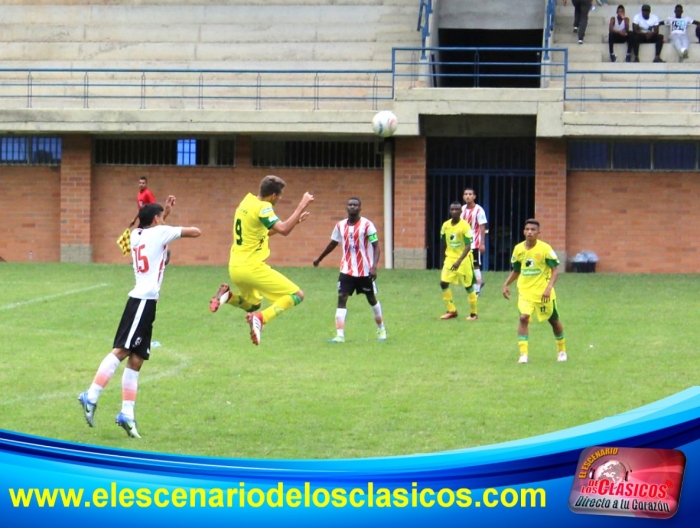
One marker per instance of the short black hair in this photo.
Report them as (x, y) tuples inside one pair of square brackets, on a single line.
[(148, 213), (456, 203), (144, 179), (271, 185), (355, 198), (532, 221), (646, 7)]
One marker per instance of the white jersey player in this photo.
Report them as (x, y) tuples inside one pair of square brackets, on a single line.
[(149, 247), (358, 266), (475, 216)]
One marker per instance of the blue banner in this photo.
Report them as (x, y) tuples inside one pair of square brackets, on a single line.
[(529, 482)]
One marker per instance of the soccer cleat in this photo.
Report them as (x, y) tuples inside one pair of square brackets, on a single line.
[(255, 321), (523, 358), (561, 357), (448, 315), (472, 317), (88, 408), (381, 334), (216, 300), (128, 425), (337, 339)]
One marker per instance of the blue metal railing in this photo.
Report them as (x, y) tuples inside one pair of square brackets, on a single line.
[(549, 16), (479, 68), (425, 10)]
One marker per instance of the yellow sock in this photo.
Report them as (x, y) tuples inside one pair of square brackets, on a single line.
[(279, 306), (472, 302), (239, 302), (522, 344), (561, 343), (447, 297)]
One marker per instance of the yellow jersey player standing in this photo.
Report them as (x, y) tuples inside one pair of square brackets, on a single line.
[(458, 268), (255, 220), (535, 266)]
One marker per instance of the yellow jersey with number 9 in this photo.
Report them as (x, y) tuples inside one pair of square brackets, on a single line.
[(251, 223)]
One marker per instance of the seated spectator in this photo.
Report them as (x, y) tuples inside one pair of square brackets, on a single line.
[(677, 27), (619, 33), (646, 31)]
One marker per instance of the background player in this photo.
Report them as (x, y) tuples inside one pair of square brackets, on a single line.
[(255, 220), (358, 266), (475, 216), (149, 243), (458, 268), (535, 266)]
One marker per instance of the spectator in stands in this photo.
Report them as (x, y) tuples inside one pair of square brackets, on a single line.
[(581, 9), (677, 28), (646, 31), (619, 33)]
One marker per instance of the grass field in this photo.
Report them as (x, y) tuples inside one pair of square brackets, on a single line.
[(434, 385)]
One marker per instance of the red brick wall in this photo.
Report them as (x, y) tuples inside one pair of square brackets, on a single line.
[(551, 191), (207, 198), (75, 190), (635, 222), (410, 193), (30, 210)]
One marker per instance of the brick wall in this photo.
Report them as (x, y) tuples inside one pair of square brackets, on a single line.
[(30, 211), (410, 202), (635, 222), (207, 198), (551, 192)]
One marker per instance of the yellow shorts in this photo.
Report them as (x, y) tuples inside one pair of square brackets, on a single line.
[(543, 310), (464, 275), (254, 283)]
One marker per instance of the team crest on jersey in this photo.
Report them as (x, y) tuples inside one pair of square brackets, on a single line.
[(529, 263), (137, 342)]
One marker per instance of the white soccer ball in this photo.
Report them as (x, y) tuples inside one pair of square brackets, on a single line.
[(384, 123)]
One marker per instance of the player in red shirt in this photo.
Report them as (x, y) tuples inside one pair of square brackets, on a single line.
[(145, 195)]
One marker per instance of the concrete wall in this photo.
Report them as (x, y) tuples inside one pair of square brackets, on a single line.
[(494, 14)]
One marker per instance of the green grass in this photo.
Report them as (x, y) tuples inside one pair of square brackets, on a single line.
[(434, 385)]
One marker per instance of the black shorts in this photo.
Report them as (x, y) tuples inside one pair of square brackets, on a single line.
[(136, 327), (349, 284), (477, 257)]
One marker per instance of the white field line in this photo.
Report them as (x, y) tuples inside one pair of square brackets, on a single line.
[(149, 376), (49, 297)]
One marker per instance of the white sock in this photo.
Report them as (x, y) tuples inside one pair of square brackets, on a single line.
[(378, 318), (340, 315), (104, 373), (477, 286), (130, 386)]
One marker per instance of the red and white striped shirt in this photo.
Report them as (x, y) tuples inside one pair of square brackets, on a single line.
[(475, 217), (356, 241)]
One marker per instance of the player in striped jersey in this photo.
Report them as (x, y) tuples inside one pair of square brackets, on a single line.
[(475, 216), (358, 266), (535, 266)]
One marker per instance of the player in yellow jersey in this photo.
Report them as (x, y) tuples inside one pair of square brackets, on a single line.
[(255, 220), (458, 268), (535, 266)]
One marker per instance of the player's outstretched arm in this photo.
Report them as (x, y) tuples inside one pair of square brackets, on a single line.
[(330, 247), (190, 232), (299, 215)]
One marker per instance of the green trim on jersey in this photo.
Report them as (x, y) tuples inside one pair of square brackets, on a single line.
[(373, 238)]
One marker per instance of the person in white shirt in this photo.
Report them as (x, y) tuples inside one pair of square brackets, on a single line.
[(646, 31), (149, 248), (619, 33), (358, 266), (677, 28)]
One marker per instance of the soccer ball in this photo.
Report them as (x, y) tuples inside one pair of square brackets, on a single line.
[(384, 123)]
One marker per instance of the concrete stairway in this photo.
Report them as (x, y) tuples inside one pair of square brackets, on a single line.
[(248, 35), (647, 85)]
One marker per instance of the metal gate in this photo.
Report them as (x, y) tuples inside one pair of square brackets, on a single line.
[(501, 171)]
